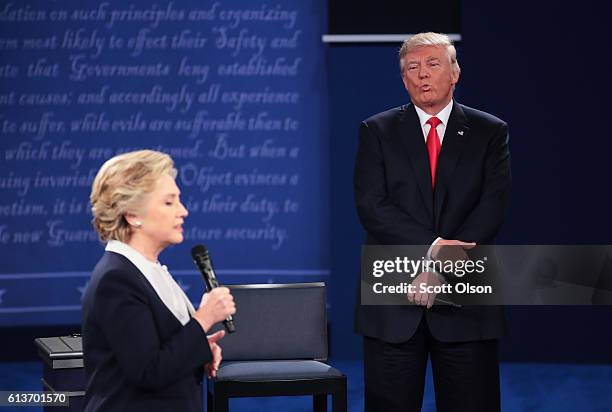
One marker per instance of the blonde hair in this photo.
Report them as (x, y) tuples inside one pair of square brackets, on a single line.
[(119, 188), (429, 39)]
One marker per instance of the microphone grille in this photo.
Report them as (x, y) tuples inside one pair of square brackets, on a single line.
[(199, 251)]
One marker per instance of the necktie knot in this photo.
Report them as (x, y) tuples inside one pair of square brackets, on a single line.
[(434, 121)]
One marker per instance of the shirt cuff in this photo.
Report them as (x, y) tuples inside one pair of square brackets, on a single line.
[(430, 261), (428, 255)]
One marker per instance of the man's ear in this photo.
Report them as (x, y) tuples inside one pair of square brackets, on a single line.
[(455, 74), (401, 67), (404, 81)]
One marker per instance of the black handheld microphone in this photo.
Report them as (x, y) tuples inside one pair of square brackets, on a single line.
[(200, 256)]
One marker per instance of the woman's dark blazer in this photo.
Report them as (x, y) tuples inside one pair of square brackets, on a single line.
[(138, 356)]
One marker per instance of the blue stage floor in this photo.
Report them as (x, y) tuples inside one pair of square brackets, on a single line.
[(525, 388)]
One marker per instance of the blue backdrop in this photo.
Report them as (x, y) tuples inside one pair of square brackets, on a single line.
[(235, 92)]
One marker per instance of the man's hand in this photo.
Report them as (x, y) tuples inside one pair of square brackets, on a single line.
[(451, 249), (212, 367), (424, 299)]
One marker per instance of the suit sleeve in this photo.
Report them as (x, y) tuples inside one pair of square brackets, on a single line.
[(380, 217), (485, 220), (127, 322)]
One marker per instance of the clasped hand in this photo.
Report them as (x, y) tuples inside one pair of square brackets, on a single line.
[(444, 249)]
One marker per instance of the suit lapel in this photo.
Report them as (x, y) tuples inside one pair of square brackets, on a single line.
[(455, 139), (411, 136), (155, 299)]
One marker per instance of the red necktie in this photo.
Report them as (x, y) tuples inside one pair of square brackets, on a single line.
[(433, 147)]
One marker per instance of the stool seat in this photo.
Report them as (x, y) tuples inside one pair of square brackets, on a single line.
[(257, 371)]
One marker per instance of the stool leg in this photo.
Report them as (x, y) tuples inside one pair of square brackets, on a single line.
[(221, 404), (210, 406), (319, 402), (339, 397)]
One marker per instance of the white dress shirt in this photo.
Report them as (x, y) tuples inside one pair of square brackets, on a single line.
[(443, 115), (170, 293)]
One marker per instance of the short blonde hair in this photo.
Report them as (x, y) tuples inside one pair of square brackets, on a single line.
[(429, 39), (119, 189)]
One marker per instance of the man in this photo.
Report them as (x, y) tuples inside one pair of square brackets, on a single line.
[(433, 173)]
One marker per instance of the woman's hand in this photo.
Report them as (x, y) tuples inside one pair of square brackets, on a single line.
[(213, 366), (215, 306)]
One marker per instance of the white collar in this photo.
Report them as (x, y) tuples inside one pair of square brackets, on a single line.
[(170, 293), (443, 114)]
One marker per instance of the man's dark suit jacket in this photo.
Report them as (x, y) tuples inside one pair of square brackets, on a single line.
[(397, 206), (138, 356)]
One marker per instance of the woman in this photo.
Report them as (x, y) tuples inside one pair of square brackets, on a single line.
[(145, 346)]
